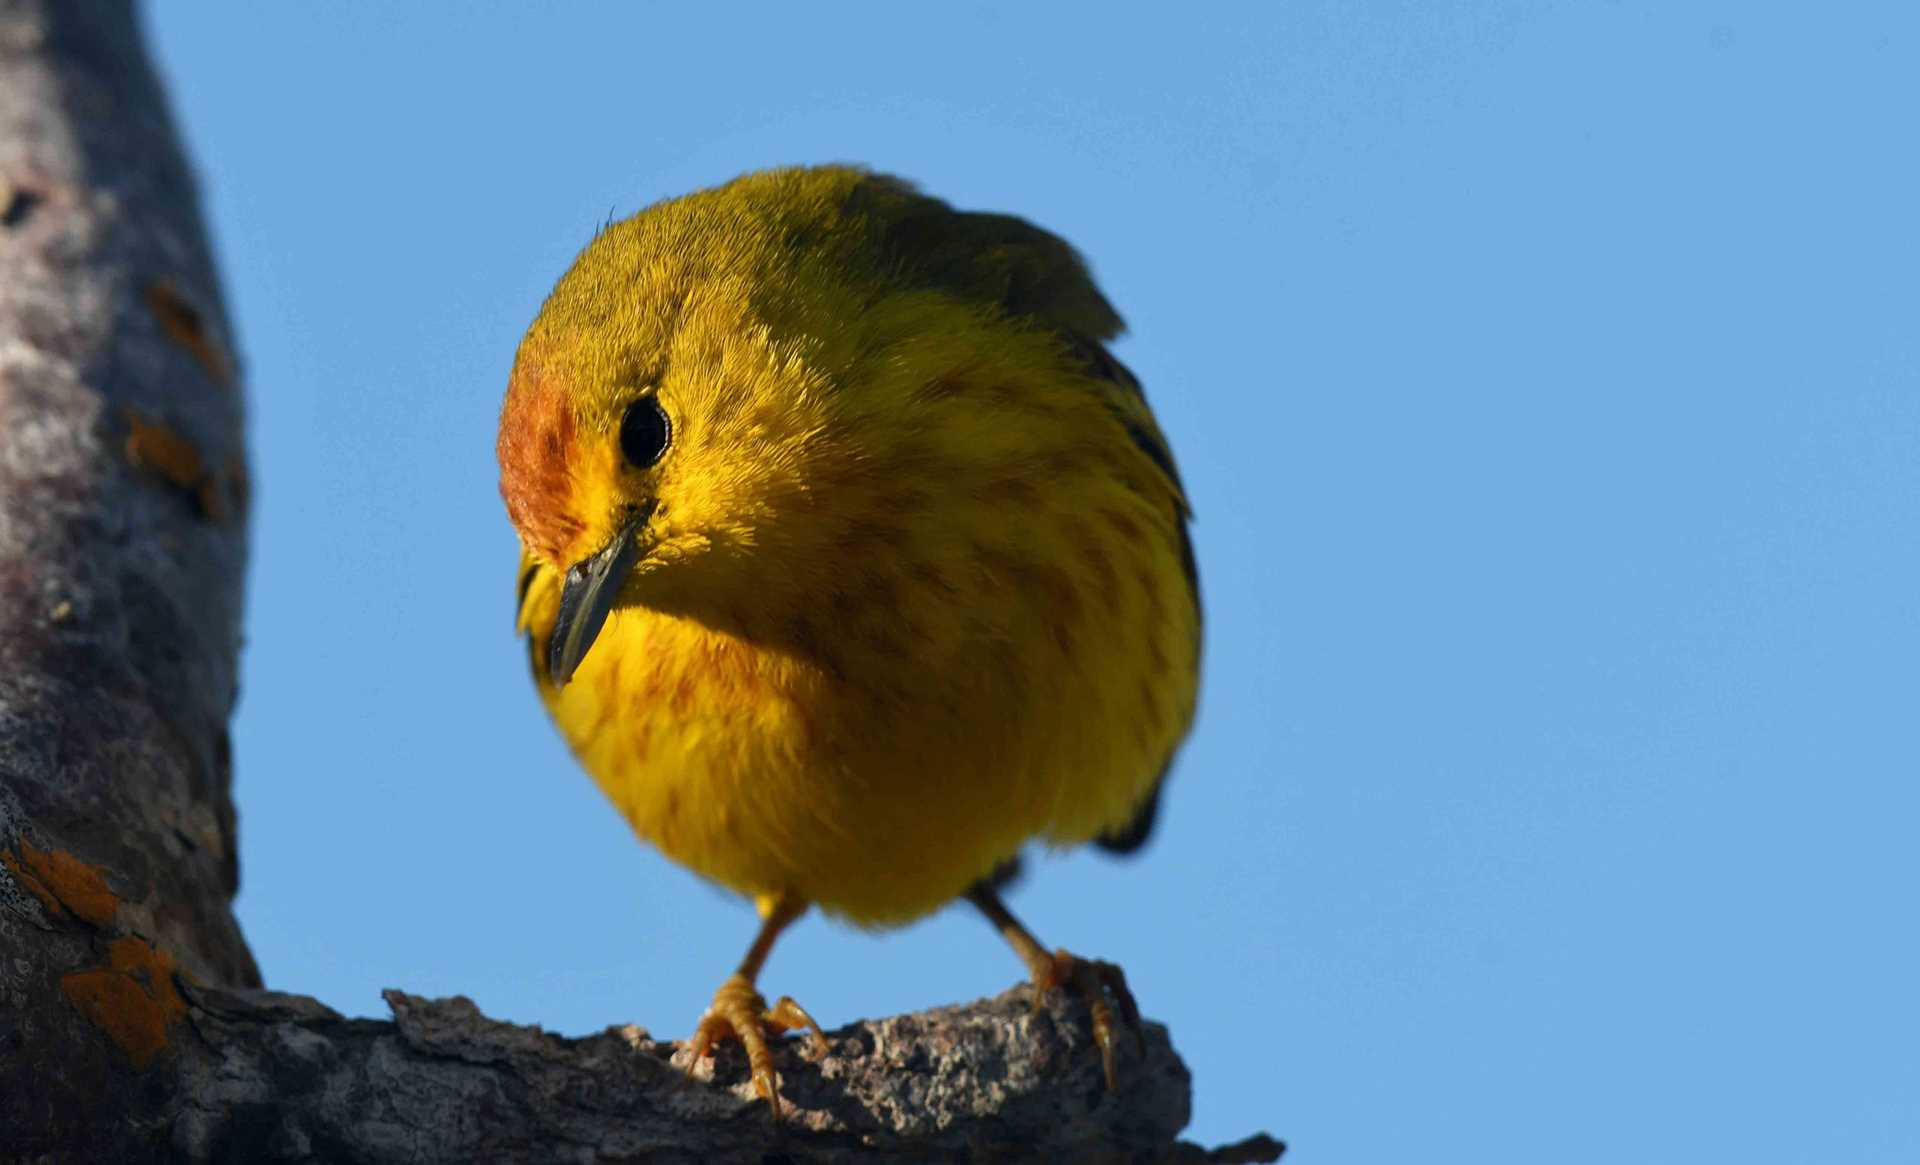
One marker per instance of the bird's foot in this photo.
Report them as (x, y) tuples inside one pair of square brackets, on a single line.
[(739, 1012), (1104, 986)]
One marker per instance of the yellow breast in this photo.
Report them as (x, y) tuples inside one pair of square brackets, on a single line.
[(877, 743)]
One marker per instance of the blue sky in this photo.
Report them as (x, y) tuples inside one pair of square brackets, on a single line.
[(1545, 379)]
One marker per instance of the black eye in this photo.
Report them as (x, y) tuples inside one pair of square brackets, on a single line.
[(644, 432)]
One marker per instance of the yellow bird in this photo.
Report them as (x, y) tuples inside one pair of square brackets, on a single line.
[(852, 560)]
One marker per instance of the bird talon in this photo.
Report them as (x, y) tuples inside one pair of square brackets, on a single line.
[(1104, 987), (738, 1012), (786, 1016), (1113, 982), (767, 1084)]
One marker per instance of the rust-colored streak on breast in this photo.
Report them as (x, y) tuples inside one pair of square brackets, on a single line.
[(537, 435)]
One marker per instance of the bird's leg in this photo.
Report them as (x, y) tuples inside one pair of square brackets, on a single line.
[(739, 1012), (1103, 985)]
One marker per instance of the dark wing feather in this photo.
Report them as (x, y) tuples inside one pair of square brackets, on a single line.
[(988, 258)]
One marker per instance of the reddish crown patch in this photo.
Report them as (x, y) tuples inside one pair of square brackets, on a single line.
[(536, 440)]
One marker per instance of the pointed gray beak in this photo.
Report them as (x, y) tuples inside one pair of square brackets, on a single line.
[(587, 597)]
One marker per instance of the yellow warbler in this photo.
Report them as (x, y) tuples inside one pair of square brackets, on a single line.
[(852, 560)]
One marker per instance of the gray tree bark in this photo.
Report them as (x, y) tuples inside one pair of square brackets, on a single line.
[(133, 1026)]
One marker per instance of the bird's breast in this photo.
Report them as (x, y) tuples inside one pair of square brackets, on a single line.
[(876, 739)]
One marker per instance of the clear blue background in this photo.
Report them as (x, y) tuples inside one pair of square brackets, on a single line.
[(1545, 376)]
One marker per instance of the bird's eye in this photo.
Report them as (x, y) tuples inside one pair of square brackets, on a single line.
[(645, 432)]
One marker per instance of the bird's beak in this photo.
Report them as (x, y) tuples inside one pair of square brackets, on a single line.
[(587, 598)]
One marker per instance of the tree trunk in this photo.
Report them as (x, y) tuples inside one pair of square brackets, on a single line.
[(132, 1026), (122, 541)]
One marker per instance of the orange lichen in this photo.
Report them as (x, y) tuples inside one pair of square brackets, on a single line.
[(32, 884), (132, 998), (212, 502), (161, 450), (181, 321), (154, 446), (58, 879)]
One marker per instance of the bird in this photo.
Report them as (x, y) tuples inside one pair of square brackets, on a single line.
[(852, 561)]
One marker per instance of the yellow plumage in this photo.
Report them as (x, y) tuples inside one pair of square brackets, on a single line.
[(908, 585)]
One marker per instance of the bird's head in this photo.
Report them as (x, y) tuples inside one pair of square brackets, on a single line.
[(733, 403), (685, 402), (657, 433)]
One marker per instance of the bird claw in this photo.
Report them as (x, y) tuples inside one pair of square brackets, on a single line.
[(1104, 986), (739, 1012)]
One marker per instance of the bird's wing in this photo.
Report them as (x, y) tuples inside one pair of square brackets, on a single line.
[(1033, 274), (1027, 273), (1146, 435)]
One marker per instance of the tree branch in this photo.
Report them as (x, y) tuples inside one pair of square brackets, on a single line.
[(995, 1080)]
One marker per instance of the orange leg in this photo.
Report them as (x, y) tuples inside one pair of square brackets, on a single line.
[(739, 1012), (1103, 985)]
